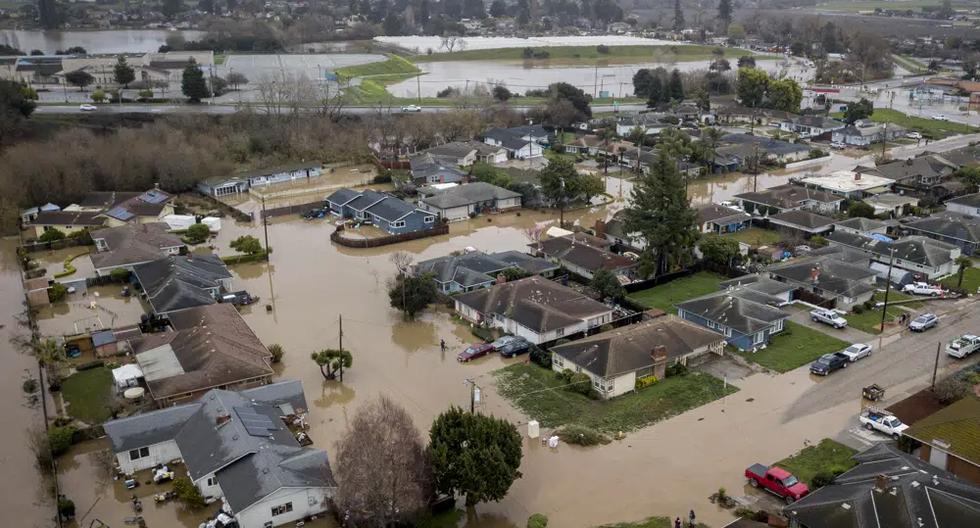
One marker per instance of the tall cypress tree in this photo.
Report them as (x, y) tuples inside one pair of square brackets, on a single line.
[(678, 16), (724, 15), (193, 84), (655, 92), (661, 213), (675, 87)]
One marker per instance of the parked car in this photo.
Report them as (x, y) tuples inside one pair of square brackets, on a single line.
[(510, 346), (884, 421), (940, 117), (777, 481), (412, 108), (87, 108), (837, 145), (963, 346), (856, 351), (474, 351), (830, 317), (923, 322), (922, 288), (913, 135), (828, 363)]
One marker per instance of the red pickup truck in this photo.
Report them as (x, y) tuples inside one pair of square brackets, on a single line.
[(777, 481)]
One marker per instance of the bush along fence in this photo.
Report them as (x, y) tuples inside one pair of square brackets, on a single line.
[(338, 238), (34, 247), (242, 259)]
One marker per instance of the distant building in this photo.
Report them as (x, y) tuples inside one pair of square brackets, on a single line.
[(718, 219), (920, 255), (863, 133), (427, 168), (475, 270), (243, 181), (109, 209), (463, 201), (802, 224), (584, 255), (954, 228), (852, 185), (132, 244), (811, 126), (394, 215), (520, 142), (965, 205), (789, 197)]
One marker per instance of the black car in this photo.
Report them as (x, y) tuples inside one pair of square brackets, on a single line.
[(828, 363), (510, 346)]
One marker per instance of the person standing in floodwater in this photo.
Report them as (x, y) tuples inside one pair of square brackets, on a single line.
[(677, 522), (442, 345), (691, 517)]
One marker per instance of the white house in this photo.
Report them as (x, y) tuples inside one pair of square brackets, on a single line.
[(462, 201), (968, 205), (237, 448), (534, 308), (242, 182), (518, 143)]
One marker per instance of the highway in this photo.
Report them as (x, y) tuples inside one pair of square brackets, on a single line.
[(225, 109)]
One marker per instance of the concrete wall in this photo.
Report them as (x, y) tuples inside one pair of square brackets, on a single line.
[(305, 502), (160, 453), (955, 465)]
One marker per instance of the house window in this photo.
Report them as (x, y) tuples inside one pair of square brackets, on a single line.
[(710, 324), (400, 223), (759, 337), (429, 219), (728, 332), (282, 509), (212, 481), (560, 332), (559, 362), (137, 454)]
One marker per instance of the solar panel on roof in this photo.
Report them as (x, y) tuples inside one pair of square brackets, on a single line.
[(255, 424), (154, 197), (120, 213)]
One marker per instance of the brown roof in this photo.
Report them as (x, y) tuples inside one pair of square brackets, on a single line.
[(955, 429), (916, 407), (133, 244), (585, 251), (79, 218), (212, 346)]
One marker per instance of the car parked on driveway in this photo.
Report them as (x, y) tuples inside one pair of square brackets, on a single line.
[(884, 421), (830, 317), (924, 322), (922, 288), (474, 351), (777, 481), (856, 352), (828, 363), (510, 346), (963, 346)]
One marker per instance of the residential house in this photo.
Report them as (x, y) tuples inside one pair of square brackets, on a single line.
[(843, 283), (520, 142), (651, 123), (66, 221), (848, 184), (923, 256), (968, 156), (811, 126), (584, 255), (458, 153), (386, 212), (645, 157), (965, 205), (889, 488), (925, 176), (892, 204), (861, 226), (587, 145), (110, 209), (950, 439), (614, 360), (27, 216), (614, 231), (863, 133), (240, 183), (129, 245), (746, 318), (802, 224), (718, 219), (957, 229), (736, 114), (428, 168), (209, 347), (534, 308), (789, 197), (236, 447), (182, 281), (476, 269), (761, 288), (766, 148), (464, 201)]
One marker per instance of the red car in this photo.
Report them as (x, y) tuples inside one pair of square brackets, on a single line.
[(777, 481), (474, 351)]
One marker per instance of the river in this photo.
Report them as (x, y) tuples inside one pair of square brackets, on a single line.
[(105, 41)]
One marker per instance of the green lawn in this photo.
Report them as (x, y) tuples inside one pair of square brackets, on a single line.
[(535, 391), (910, 64), (895, 296), (394, 65), (930, 128), (854, 6), (795, 346), (667, 295), (652, 522), (591, 54), (828, 455), (870, 320), (449, 519), (756, 237), (87, 393), (971, 280)]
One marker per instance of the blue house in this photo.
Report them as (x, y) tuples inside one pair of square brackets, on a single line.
[(741, 315), (384, 211)]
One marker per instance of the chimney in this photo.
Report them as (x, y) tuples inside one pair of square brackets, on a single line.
[(501, 278), (659, 356), (857, 176), (881, 482), (815, 275), (600, 228), (222, 419)]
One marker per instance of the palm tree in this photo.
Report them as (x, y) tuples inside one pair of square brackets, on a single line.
[(964, 262)]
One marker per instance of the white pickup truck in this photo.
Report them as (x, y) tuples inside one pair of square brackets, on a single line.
[(884, 421), (923, 288), (963, 346), (828, 317)]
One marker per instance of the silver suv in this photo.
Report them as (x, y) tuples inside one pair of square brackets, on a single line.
[(828, 317), (923, 322)]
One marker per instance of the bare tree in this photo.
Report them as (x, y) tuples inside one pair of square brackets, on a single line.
[(453, 42), (382, 470), (402, 261), (287, 93)]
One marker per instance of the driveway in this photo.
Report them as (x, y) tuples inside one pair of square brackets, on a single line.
[(851, 335)]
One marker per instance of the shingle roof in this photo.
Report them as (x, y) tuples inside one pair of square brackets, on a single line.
[(788, 196), (535, 303), (957, 427), (343, 196), (629, 348), (470, 193), (952, 225), (862, 224), (133, 244), (802, 220), (771, 146), (916, 494), (366, 200), (836, 276), (470, 269), (969, 200), (177, 282), (585, 251), (720, 214), (289, 167), (735, 309), (147, 429), (72, 218), (917, 249)]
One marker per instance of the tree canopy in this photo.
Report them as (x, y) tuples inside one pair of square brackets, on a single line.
[(412, 294), (606, 285), (247, 244), (331, 361), (192, 83), (123, 72), (474, 455), (858, 110)]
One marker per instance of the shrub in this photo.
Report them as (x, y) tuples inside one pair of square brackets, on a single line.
[(602, 49), (540, 356), (645, 381), (66, 508), (197, 234), (822, 479), (120, 274), (188, 493), (483, 333), (384, 177), (277, 352), (858, 309), (57, 292), (951, 389), (676, 369), (565, 375), (580, 382), (60, 438), (581, 435), (90, 365), (51, 235), (869, 304), (538, 520), (753, 515), (29, 386)]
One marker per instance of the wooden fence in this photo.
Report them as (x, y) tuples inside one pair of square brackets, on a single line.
[(34, 247), (293, 209), (337, 237)]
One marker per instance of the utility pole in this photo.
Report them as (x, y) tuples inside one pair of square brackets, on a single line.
[(265, 228), (474, 394), (561, 204), (418, 87), (595, 83), (935, 367), (884, 140), (340, 344), (888, 287)]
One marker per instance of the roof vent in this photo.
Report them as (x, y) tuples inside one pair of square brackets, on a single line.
[(846, 506)]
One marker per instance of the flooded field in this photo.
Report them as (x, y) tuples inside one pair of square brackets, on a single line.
[(420, 43), (520, 76), (109, 41), (312, 65)]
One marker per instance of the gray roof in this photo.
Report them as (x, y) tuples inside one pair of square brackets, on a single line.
[(366, 200), (788, 196), (758, 283), (471, 269), (72, 218), (177, 282), (628, 348), (862, 224), (427, 164), (816, 121), (343, 196), (144, 430), (585, 251), (290, 167), (969, 200), (538, 304), (470, 193), (948, 224), (391, 209), (917, 249), (916, 494), (133, 244), (803, 220), (738, 309), (456, 149), (836, 276), (910, 170), (720, 214)]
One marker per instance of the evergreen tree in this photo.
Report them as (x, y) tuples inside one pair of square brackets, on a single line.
[(192, 84), (48, 14), (123, 72), (675, 87), (170, 8), (661, 213), (655, 92), (498, 9), (724, 15), (678, 16)]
